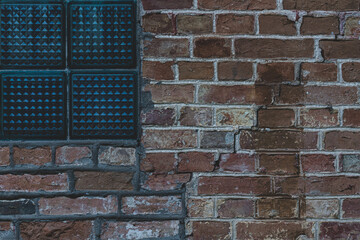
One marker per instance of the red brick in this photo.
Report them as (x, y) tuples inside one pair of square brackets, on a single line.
[(276, 25), (73, 155), (352, 27), (151, 205), (340, 49), (117, 156), (351, 117), (33, 183), (276, 230), (278, 140), (278, 164), (169, 139), (140, 230), (342, 140), (196, 70), (103, 181), (211, 230), (56, 230), (212, 47), (351, 72), (277, 208), (313, 163), (351, 208), (320, 208), (237, 5), (82, 205), (234, 71), (171, 93), (337, 230), (166, 4), (166, 182), (325, 5), (320, 25), (237, 162), (274, 48), (234, 24), (319, 118), (276, 118), (235, 117), (166, 47), (36, 156), (196, 162), (4, 156), (319, 72), (194, 24), (191, 116), (235, 208), (276, 72), (203, 207), (234, 185), (235, 94), (350, 163), (157, 23), (158, 162), (158, 70), (159, 116)]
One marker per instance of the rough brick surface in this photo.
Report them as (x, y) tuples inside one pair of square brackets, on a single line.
[(36, 156), (75, 155)]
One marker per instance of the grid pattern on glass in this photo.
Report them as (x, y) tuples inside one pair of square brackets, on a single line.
[(32, 36), (103, 106), (102, 35), (33, 106)]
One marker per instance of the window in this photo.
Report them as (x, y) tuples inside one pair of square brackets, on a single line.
[(68, 70)]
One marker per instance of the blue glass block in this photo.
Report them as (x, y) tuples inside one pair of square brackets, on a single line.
[(33, 106), (32, 36), (102, 35), (103, 106)]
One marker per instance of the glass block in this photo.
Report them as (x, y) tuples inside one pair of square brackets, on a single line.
[(103, 106), (33, 106), (32, 36), (102, 35)]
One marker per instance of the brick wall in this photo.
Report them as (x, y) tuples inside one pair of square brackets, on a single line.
[(250, 130)]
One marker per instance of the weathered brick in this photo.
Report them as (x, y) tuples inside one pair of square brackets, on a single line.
[(211, 230), (318, 72), (158, 162), (235, 117), (234, 185), (237, 5), (234, 24), (320, 208), (325, 5), (278, 164), (318, 118), (235, 208), (166, 182), (352, 27), (351, 117), (312, 163), (196, 70), (7, 231), (200, 208), (337, 230), (166, 4), (320, 25), (157, 70), (278, 140), (217, 139), (351, 72), (237, 162), (4, 156), (342, 140), (117, 156), (166, 47), (351, 208), (17, 207), (82, 205), (276, 25), (35, 156), (33, 183), (119, 181), (157, 23), (196, 162), (194, 24), (194, 116), (274, 48), (73, 155), (235, 94), (171, 93), (350, 163), (276, 118), (169, 139), (212, 47), (234, 71), (276, 72), (151, 205), (277, 208), (340, 49), (56, 230), (159, 116)]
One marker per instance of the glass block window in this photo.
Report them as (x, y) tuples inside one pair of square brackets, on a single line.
[(85, 83)]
